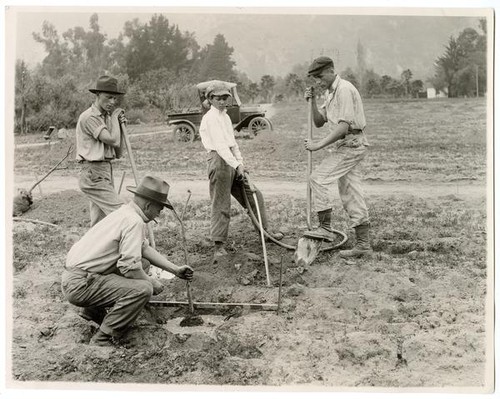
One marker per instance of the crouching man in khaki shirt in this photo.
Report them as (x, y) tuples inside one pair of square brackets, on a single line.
[(104, 268)]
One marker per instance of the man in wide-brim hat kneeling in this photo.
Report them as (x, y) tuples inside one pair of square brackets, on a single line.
[(104, 268), (98, 142)]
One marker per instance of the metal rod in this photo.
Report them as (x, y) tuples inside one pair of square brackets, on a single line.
[(215, 305), (279, 287), (184, 248), (309, 163), (261, 228)]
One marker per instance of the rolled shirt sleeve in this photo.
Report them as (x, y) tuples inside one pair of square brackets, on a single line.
[(131, 246)]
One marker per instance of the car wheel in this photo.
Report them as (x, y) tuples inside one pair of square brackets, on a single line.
[(259, 123), (184, 133)]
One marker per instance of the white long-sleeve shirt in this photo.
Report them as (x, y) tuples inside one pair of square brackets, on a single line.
[(217, 134)]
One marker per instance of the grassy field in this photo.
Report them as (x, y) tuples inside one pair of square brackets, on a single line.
[(413, 316), (439, 140)]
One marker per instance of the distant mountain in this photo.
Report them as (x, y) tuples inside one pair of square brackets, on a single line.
[(272, 44)]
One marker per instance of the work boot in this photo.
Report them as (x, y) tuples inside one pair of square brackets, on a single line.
[(219, 251), (101, 339), (92, 314), (324, 230), (362, 247)]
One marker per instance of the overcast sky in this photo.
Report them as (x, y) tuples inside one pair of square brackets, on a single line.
[(272, 41)]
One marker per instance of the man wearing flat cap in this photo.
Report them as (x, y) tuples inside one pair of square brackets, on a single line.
[(104, 269), (343, 110), (98, 143), (226, 172)]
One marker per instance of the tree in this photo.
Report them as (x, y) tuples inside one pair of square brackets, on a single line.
[(294, 85), (57, 60), (267, 83), (23, 88), (462, 67), (371, 85), (156, 45), (416, 86), (350, 76), (406, 76), (361, 62), (216, 62), (253, 91)]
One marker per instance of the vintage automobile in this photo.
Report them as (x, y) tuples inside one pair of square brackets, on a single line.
[(186, 125)]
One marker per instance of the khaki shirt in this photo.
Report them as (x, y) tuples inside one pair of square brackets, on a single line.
[(117, 241), (343, 104), (88, 146)]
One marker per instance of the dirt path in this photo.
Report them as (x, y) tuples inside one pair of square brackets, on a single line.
[(466, 190)]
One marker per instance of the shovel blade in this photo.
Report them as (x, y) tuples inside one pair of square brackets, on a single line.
[(307, 250)]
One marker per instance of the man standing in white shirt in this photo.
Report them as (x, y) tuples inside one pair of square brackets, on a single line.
[(225, 168)]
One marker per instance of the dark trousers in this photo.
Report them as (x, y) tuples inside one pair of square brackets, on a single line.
[(223, 184)]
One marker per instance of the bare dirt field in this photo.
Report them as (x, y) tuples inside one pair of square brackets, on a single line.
[(414, 316)]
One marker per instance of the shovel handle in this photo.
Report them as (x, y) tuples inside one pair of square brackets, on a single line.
[(136, 176), (309, 163)]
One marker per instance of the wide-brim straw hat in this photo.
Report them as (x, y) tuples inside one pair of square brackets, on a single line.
[(153, 189)]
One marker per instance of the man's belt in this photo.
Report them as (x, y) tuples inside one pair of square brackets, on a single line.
[(77, 271), (355, 131), (85, 161)]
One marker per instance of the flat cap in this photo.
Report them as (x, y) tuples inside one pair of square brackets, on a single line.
[(318, 65), (217, 89)]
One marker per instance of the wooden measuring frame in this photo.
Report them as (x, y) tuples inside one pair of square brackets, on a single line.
[(226, 305)]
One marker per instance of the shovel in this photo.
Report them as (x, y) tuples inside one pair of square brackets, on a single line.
[(261, 229), (308, 248)]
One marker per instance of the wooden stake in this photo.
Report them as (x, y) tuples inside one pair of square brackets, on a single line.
[(216, 305)]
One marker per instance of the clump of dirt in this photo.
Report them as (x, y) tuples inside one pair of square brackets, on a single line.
[(397, 320)]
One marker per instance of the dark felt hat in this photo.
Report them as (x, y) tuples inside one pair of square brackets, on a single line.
[(106, 84), (153, 189), (318, 65)]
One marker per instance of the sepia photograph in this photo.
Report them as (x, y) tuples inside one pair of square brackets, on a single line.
[(249, 199)]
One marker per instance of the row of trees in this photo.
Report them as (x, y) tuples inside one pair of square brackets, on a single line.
[(158, 64), (461, 70)]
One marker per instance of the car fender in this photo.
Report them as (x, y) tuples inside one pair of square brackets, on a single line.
[(244, 122), (178, 121)]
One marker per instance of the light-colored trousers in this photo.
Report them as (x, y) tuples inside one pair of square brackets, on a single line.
[(96, 182), (223, 184), (342, 167), (126, 296)]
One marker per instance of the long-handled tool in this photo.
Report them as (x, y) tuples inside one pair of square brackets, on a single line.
[(136, 177), (309, 163), (261, 228), (308, 249), (192, 319), (24, 199)]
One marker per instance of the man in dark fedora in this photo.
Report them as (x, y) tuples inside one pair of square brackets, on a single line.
[(98, 143), (104, 269)]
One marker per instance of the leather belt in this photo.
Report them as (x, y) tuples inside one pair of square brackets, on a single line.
[(85, 161), (355, 131), (77, 271)]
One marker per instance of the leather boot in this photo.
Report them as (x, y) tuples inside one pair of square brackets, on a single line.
[(324, 230), (362, 247)]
